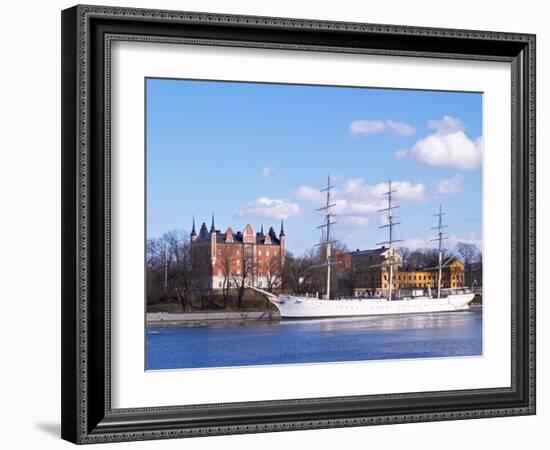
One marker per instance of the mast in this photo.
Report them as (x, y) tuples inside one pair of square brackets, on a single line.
[(391, 223), (326, 242), (439, 239)]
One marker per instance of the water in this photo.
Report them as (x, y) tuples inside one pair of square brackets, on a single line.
[(247, 343)]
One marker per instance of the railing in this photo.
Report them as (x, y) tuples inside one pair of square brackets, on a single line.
[(422, 292)]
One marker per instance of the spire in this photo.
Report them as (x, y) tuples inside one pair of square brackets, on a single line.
[(212, 227), (193, 232), (262, 229), (282, 233)]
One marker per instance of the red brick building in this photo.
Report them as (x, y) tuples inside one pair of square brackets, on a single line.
[(231, 259)]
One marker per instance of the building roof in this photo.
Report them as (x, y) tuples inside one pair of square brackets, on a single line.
[(238, 238), (258, 238), (370, 252)]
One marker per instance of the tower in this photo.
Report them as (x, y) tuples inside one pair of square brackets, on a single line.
[(213, 243), (193, 232), (282, 241)]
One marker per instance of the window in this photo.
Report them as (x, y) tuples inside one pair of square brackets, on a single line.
[(259, 253), (267, 253), (220, 284)]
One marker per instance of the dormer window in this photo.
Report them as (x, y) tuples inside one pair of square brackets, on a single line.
[(249, 237), (229, 235)]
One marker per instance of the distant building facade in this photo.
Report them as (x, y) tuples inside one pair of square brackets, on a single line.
[(371, 273), (232, 259), (474, 276)]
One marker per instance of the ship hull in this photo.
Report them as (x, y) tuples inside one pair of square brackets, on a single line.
[(291, 307)]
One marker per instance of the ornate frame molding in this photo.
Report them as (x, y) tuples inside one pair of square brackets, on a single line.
[(86, 421)]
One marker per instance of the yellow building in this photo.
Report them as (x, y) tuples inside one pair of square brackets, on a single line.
[(371, 273)]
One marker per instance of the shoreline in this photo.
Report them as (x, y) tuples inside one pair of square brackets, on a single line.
[(167, 319), (163, 318)]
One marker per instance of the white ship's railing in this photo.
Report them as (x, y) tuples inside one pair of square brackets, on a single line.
[(457, 290), (411, 293)]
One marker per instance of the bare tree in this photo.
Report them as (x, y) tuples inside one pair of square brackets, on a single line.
[(406, 256), (155, 271), (179, 265), (470, 255), (169, 268), (273, 273), (244, 275), (226, 266), (297, 275)]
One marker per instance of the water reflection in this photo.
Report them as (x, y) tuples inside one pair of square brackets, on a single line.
[(389, 323)]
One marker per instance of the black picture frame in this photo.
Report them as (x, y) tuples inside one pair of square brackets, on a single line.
[(87, 416)]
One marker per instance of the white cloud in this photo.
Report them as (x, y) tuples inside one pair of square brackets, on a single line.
[(367, 126), (450, 243), (470, 238), (353, 221), (416, 244), (401, 128), (357, 189), (270, 208), (448, 146), (450, 186), (401, 154), (454, 150), (379, 126), (446, 125), (310, 194), (266, 171), (355, 201)]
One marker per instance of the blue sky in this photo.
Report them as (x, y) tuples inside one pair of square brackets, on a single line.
[(255, 153)]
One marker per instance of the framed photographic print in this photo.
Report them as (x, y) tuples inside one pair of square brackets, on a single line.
[(279, 224)]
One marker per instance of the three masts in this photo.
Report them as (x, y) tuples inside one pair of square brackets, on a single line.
[(327, 241), (307, 307)]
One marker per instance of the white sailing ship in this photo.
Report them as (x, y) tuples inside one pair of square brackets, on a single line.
[(297, 307)]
